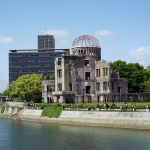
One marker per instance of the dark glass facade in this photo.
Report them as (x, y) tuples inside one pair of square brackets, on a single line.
[(46, 41), (23, 62)]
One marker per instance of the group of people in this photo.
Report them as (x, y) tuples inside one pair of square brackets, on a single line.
[(109, 106), (31, 105), (132, 108)]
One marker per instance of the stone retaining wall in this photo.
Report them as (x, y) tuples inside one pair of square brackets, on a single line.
[(106, 115), (135, 120), (31, 112)]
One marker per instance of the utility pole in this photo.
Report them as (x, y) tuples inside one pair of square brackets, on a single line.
[(83, 96)]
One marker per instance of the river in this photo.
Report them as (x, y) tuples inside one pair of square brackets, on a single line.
[(22, 135)]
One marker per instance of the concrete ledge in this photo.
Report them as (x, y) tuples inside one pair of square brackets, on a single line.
[(134, 120), (31, 112)]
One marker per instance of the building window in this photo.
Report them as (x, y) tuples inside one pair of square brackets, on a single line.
[(86, 62), (87, 89), (47, 88), (60, 87), (70, 86), (89, 99), (87, 75), (43, 89), (98, 73), (59, 61), (50, 88), (119, 89), (98, 86), (59, 72), (112, 86), (105, 86), (105, 71)]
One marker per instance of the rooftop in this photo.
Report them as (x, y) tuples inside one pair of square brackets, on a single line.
[(40, 50), (85, 41)]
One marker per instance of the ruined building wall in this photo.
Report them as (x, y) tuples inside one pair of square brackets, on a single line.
[(85, 74)]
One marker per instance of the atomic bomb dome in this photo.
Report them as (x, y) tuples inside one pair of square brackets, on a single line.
[(86, 45), (85, 41)]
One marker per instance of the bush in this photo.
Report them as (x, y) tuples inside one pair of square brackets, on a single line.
[(139, 105), (52, 111), (2, 109), (18, 100)]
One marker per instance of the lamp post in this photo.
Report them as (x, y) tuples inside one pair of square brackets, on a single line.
[(46, 97), (98, 101), (83, 96)]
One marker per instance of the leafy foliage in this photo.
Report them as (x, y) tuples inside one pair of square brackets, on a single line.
[(147, 81), (134, 73), (52, 77), (27, 87), (49, 107), (52, 111), (5, 92), (2, 109)]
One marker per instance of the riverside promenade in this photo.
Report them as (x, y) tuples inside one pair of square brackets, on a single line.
[(115, 119)]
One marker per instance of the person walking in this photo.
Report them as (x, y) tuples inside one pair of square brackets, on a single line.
[(113, 106), (126, 105), (121, 107), (63, 107)]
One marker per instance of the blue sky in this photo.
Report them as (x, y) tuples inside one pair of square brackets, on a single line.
[(121, 27)]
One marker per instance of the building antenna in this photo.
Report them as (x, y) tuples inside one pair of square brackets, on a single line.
[(45, 30)]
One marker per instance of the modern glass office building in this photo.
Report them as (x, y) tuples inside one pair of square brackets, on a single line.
[(31, 61), (46, 41)]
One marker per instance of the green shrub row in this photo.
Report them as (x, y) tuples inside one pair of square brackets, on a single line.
[(2, 109), (18, 100), (52, 111), (139, 105)]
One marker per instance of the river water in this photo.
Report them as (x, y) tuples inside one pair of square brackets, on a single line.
[(21, 135)]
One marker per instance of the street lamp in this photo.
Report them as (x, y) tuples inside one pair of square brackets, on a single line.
[(83, 96), (98, 101)]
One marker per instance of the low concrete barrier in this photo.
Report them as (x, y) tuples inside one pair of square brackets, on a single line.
[(31, 112), (135, 120), (106, 115)]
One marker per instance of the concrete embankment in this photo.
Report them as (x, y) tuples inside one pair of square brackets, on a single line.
[(135, 120)]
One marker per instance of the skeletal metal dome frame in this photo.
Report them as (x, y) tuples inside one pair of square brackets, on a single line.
[(85, 41)]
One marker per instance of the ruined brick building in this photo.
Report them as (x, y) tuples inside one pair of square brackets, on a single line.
[(83, 76)]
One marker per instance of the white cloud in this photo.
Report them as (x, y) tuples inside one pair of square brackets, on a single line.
[(103, 33), (5, 39), (57, 32), (140, 53)]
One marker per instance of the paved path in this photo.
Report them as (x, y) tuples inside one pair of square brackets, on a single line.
[(19, 104)]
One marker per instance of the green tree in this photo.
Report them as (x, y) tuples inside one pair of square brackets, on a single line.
[(120, 67), (147, 81), (5, 92), (134, 73), (27, 87), (52, 77), (148, 68)]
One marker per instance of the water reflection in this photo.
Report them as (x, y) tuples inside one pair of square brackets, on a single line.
[(39, 136)]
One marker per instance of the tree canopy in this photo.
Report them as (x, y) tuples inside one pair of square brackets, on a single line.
[(52, 77), (134, 73), (5, 93), (27, 87)]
